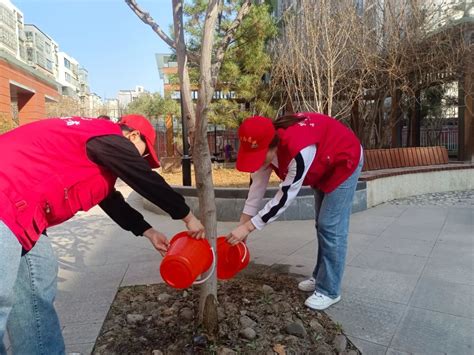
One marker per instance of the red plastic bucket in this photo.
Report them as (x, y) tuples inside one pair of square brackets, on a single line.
[(230, 259), (186, 259)]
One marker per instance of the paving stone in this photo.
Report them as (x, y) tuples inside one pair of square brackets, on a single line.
[(144, 273), (427, 332), (388, 210), (459, 270), (453, 249), (369, 319), (385, 261), (403, 246), (83, 349), (442, 296), (384, 285), (81, 333), (367, 224), (82, 312), (420, 232), (391, 351)]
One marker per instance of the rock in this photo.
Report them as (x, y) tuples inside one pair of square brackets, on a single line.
[(350, 352), (169, 311), (143, 339), (243, 312), (225, 351), (247, 322), (157, 352), (139, 298), (317, 327), (248, 333), (200, 341), (291, 339), (323, 349), (134, 318), (186, 313), (246, 301), (185, 294), (285, 307), (272, 319), (340, 343), (267, 290), (163, 297), (296, 329), (276, 308), (220, 313)]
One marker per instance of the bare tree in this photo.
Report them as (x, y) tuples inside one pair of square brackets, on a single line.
[(65, 106), (369, 63), (212, 52), (314, 61)]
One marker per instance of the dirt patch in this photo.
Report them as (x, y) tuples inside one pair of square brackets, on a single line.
[(260, 312), (221, 177)]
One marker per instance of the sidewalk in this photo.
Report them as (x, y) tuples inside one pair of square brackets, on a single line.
[(408, 286)]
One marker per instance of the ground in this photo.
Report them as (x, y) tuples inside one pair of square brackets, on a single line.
[(224, 177), (408, 284), (259, 312)]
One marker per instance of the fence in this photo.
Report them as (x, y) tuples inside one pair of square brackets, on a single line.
[(448, 137), (217, 140)]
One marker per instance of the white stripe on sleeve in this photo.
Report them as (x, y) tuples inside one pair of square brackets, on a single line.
[(297, 170)]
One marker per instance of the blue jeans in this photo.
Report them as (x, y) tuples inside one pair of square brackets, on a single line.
[(333, 211), (27, 292)]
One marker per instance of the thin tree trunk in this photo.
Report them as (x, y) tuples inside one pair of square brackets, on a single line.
[(203, 167), (182, 57)]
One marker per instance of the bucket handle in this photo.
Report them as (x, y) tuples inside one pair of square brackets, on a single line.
[(246, 251), (213, 267)]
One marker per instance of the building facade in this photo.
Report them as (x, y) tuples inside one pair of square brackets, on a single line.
[(125, 97), (41, 51), (24, 90)]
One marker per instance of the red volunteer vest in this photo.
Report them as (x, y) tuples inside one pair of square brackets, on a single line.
[(46, 176), (337, 156)]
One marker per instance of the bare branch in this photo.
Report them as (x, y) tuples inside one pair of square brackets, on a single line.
[(147, 19), (228, 38)]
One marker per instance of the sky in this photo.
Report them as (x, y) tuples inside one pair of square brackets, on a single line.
[(106, 38)]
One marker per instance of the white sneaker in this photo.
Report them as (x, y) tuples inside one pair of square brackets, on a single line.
[(320, 302), (307, 285)]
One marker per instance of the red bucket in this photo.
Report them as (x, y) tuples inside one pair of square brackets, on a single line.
[(231, 259), (186, 259)]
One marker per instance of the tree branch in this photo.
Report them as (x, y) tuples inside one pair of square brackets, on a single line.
[(228, 37), (147, 19)]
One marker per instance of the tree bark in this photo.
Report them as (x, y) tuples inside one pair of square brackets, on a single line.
[(182, 57), (203, 166)]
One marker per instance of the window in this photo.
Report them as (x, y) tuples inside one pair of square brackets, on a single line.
[(68, 77), (8, 38), (49, 65), (29, 36), (47, 48), (67, 63), (29, 54)]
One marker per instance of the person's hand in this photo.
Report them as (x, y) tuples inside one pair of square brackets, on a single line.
[(159, 240), (240, 233), (194, 226)]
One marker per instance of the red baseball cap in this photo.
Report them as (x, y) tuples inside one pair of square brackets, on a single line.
[(141, 124), (255, 135)]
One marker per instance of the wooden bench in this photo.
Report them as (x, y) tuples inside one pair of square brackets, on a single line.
[(380, 159)]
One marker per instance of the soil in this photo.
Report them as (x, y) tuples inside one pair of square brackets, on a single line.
[(222, 177), (260, 312)]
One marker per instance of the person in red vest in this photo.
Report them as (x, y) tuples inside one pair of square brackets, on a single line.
[(304, 149), (49, 170)]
